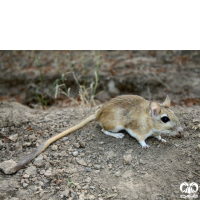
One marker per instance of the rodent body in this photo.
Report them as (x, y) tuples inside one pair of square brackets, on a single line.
[(139, 117)]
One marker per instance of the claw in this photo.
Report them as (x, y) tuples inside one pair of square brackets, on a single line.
[(146, 146), (119, 135), (162, 140)]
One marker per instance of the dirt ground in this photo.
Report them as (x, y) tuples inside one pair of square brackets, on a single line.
[(87, 164)]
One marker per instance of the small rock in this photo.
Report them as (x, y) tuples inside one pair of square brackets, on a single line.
[(109, 166), (88, 180), (27, 144), (199, 135), (31, 171), (32, 138), (101, 149), (190, 176), (127, 159), (81, 162), (86, 187), (117, 173), (77, 145), (8, 166), (97, 166), (92, 197), (114, 189), (82, 196), (81, 143), (176, 145), (75, 153), (13, 137), (39, 161), (54, 147), (66, 192), (25, 185), (48, 173), (42, 171), (66, 138), (26, 176), (101, 142), (198, 146), (196, 120), (60, 171), (88, 169), (188, 162)]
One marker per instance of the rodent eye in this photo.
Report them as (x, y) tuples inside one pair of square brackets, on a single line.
[(165, 119)]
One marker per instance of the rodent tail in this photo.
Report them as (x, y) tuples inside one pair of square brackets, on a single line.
[(27, 159)]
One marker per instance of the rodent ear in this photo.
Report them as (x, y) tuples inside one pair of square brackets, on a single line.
[(166, 103), (154, 109)]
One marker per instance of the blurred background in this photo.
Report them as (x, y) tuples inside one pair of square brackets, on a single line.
[(68, 78)]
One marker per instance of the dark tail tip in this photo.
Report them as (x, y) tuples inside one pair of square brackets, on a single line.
[(24, 161)]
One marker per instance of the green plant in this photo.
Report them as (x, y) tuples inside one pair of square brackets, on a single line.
[(41, 97)]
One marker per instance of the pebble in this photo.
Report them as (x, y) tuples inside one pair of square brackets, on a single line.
[(101, 142), (66, 193), (60, 171), (75, 153), (88, 180), (39, 161), (81, 162), (190, 176), (77, 145), (109, 166), (66, 138), (26, 176), (32, 138), (82, 196), (13, 137), (88, 169), (127, 159), (7, 166), (42, 171), (54, 147), (82, 143), (27, 144), (97, 166), (31, 171), (92, 197), (198, 146), (48, 173), (117, 173), (25, 185)]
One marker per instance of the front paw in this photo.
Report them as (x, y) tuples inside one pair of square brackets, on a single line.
[(164, 141), (119, 135), (146, 146)]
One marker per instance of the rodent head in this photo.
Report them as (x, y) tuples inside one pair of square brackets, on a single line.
[(164, 120)]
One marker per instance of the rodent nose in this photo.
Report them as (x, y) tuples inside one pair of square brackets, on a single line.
[(180, 130)]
